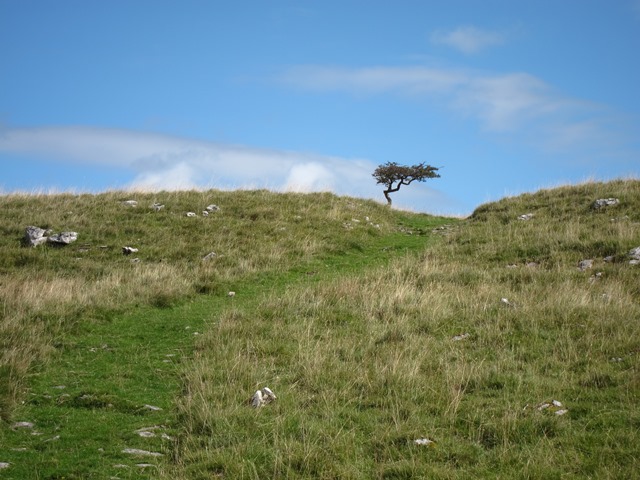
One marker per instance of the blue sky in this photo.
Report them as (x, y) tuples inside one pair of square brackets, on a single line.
[(505, 96)]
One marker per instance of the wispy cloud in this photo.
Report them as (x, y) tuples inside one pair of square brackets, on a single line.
[(170, 163), (374, 79), (514, 103), (468, 39)]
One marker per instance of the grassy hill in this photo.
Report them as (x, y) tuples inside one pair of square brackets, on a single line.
[(375, 328)]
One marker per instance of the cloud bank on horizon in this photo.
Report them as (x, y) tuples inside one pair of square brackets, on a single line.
[(164, 162)]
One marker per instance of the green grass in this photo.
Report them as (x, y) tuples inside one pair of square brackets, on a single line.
[(116, 334), (354, 326)]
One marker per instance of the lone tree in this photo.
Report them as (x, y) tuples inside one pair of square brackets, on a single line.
[(393, 176)]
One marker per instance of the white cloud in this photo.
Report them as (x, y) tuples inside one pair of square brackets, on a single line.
[(514, 103), (373, 79), (506, 102), (162, 162), (468, 39), (309, 177)]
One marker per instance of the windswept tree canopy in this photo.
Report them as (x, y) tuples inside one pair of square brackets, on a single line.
[(393, 176)]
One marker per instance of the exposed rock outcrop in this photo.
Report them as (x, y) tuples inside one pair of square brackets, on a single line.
[(604, 202), (34, 236)]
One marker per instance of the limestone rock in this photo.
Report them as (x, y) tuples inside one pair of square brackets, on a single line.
[(64, 238), (263, 397), (128, 250), (191, 214), (34, 236), (130, 203), (585, 264), (604, 202), (526, 216), (424, 442), (213, 208), (21, 425), (144, 453)]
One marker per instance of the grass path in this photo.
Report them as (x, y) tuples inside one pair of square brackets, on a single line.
[(113, 384)]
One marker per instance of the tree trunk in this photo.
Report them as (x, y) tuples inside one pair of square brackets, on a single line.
[(386, 195)]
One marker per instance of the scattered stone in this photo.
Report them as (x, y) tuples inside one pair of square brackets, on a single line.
[(4, 465), (425, 442), (53, 439), (262, 397), (604, 202), (554, 406), (135, 260), (512, 265), (191, 214), (22, 425), (231, 294), (146, 434), (585, 264), (526, 216), (596, 277), (532, 265), (144, 453), (145, 465), (60, 387), (152, 408), (205, 213), (213, 208), (64, 238), (130, 203), (256, 400), (506, 302), (616, 359), (462, 336), (129, 250), (634, 253), (34, 236), (609, 258), (157, 207), (210, 256)]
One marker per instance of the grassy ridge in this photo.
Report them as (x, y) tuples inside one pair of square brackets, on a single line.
[(375, 328), (364, 365), (102, 337)]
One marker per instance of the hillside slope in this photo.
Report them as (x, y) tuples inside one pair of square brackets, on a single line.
[(489, 355), (398, 345), (89, 336)]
